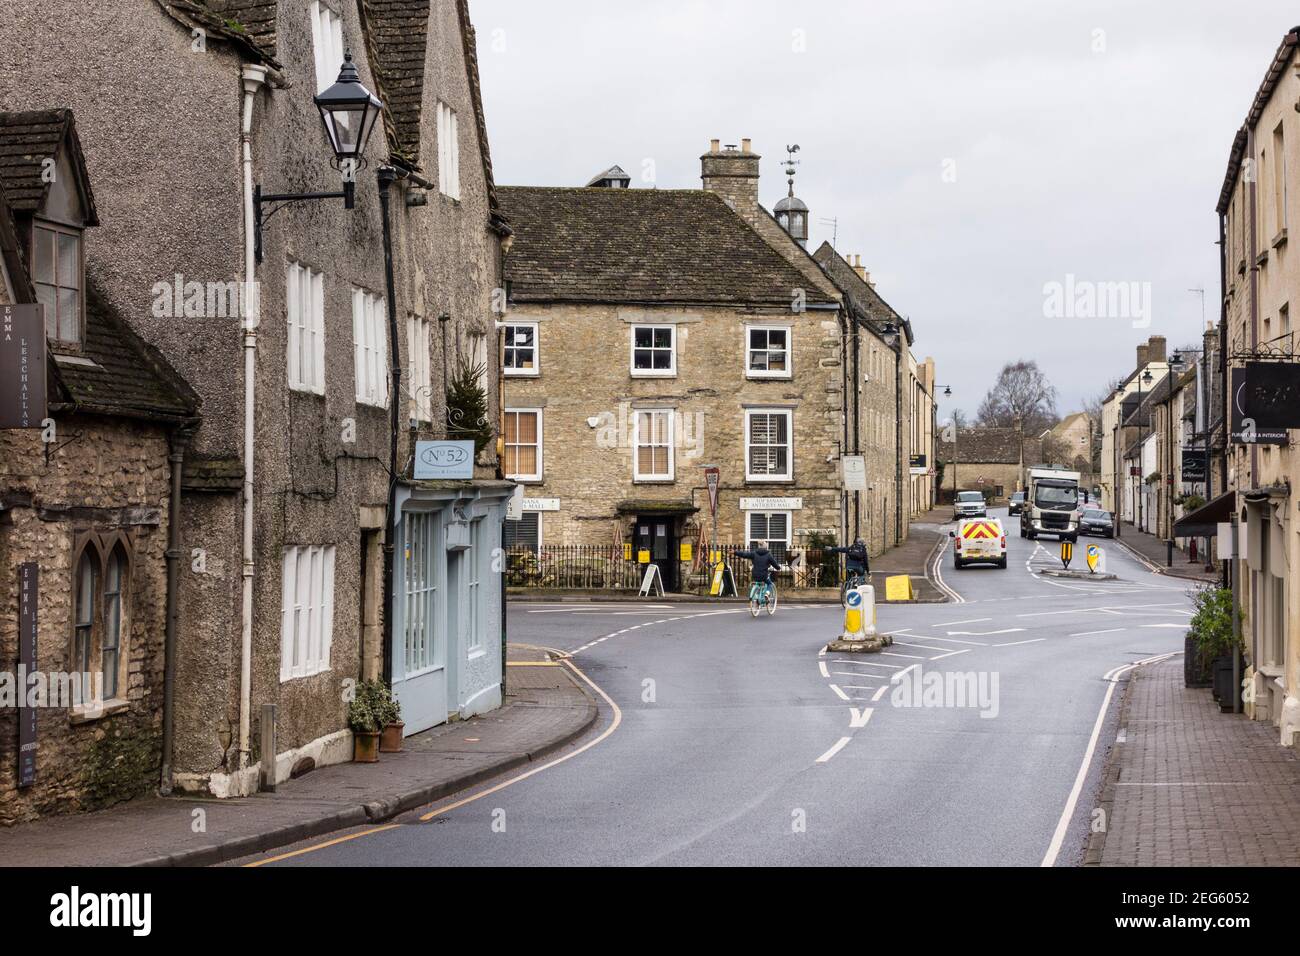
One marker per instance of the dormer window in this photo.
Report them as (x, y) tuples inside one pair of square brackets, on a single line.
[(58, 274)]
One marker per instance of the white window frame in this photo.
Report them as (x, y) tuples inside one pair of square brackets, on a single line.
[(306, 610), (370, 347), (448, 151), (305, 314), (671, 371), (750, 537), (516, 476), (512, 371), (474, 589), (637, 474), (789, 352), (421, 536), (419, 374), (750, 475), (57, 232), (326, 44)]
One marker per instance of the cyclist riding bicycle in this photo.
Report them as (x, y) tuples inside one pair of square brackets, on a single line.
[(857, 567), (763, 591), (856, 560)]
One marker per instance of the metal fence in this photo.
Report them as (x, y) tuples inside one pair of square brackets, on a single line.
[(604, 567)]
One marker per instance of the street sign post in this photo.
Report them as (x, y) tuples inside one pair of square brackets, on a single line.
[(1067, 554)]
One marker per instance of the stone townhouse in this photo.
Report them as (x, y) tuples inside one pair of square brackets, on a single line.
[(282, 324), (1115, 438), (891, 401), (1258, 201), (652, 333), (987, 459), (89, 493)]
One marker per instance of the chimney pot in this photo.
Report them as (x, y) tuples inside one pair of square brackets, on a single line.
[(715, 146), (744, 145)]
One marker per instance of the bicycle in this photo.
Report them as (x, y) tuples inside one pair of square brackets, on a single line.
[(762, 594), (855, 580)]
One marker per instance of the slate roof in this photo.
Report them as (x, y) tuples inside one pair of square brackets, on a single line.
[(248, 25), (862, 296), (396, 33), (643, 246), (396, 36), (29, 138), (989, 446), (127, 377)]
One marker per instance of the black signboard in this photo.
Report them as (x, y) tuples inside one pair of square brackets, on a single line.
[(1265, 402), (916, 461), (1194, 464), (22, 366), (28, 594)]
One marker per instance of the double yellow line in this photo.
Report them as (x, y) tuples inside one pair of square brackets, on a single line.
[(566, 661)]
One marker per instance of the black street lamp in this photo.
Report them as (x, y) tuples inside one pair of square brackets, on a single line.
[(349, 113)]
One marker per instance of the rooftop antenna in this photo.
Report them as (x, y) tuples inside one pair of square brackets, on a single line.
[(835, 229)]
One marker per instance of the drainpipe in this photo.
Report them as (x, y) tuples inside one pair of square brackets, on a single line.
[(176, 458), (254, 78), (898, 436), (857, 428), (388, 176)]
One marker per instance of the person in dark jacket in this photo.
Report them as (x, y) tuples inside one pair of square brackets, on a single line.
[(855, 557), (764, 561)]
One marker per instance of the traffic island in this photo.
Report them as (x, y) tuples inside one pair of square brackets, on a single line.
[(1079, 575), (873, 644)]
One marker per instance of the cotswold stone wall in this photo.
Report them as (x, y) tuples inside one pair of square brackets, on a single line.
[(106, 477), (585, 374)]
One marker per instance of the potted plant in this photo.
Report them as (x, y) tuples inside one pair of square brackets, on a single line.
[(1211, 635), (390, 719), (364, 724)]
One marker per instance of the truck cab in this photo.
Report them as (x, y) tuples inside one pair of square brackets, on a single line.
[(1051, 504)]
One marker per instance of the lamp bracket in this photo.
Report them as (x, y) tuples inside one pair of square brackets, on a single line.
[(278, 201)]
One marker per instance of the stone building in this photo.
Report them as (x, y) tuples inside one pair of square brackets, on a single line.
[(1152, 362), (287, 343), (87, 510), (987, 459), (1261, 280)]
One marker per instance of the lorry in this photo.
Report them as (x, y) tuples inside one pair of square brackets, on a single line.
[(1051, 504)]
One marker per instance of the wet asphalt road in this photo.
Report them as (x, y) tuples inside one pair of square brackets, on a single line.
[(737, 743)]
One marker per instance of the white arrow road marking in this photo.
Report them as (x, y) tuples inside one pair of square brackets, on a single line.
[(1005, 630), (973, 620), (879, 694), (859, 718), (842, 695), (839, 745)]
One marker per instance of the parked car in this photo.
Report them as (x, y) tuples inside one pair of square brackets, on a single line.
[(1098, 522), (1015, 503), (969, 504)]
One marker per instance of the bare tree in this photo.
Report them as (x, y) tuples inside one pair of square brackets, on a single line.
[(1022, 396)]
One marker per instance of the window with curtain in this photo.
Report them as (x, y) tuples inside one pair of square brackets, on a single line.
[(523, 444)]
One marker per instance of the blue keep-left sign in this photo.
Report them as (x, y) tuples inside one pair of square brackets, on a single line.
[(854, 598), (444, 459)]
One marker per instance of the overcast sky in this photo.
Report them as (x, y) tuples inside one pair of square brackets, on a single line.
[(972, 152)]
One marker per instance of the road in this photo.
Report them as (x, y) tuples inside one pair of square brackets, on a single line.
[(729, 740)]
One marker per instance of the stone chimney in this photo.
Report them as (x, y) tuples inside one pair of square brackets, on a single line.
[(1158, 349), (1142, 351), (733, 174)]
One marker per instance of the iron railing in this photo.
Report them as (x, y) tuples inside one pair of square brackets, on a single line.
[(605, 567)]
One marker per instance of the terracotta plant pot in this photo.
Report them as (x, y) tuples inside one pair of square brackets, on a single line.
[(365, 746), (390, 741)]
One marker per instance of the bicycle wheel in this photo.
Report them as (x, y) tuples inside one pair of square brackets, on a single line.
[(754, 605), (771, 600)]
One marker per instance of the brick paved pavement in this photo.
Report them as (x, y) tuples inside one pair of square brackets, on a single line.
[(1156, 552), (1191, 786)]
